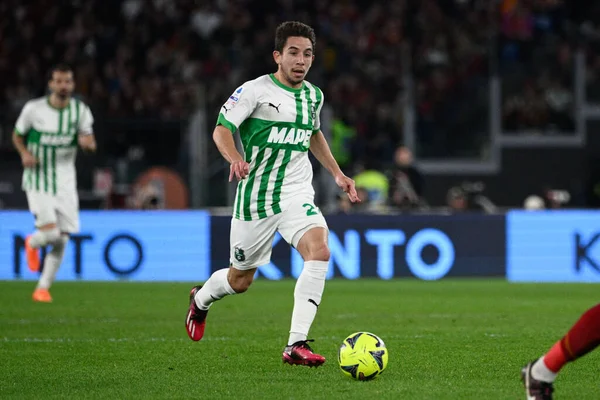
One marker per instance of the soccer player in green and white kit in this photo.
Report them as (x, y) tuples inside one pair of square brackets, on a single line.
[(46, 136), (278, 119)]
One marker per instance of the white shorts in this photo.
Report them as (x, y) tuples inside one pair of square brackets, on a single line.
[(62, 210), (251, 241)]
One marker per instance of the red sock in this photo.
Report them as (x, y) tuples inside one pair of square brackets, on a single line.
[(582, 338)]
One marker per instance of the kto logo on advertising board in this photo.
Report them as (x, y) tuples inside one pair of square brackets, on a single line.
[(346, 254), (112, 245), (553, 246)]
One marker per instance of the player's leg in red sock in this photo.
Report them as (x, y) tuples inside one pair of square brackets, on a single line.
[(582, 338)]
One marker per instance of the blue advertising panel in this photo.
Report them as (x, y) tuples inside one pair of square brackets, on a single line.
[(425, 247), (189, 245), (553, 246), (115, 245)]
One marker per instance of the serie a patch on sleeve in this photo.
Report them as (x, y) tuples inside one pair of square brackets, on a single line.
[(234, 98)]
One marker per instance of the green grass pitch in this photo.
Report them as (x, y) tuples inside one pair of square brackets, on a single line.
[(450, 339)]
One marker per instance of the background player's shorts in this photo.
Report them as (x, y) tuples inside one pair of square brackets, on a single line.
[(62, 209), (251, 241)]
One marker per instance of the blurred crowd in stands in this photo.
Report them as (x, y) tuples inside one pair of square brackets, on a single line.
[(162, 59), (537, 43)]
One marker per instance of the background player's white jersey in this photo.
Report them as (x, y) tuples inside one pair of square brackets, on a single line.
[(275, 124), (51, 136)]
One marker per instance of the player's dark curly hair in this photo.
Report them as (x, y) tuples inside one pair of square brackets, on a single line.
[(61, 67), (293, 28)]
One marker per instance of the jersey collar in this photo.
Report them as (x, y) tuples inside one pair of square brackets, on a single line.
[(284, 87), (56, 108)]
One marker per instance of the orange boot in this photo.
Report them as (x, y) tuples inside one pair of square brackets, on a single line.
[(42, 296)]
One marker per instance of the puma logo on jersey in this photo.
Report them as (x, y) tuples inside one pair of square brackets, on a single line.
[(291, 136), (276, 107)]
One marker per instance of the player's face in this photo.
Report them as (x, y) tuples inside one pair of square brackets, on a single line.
[(62, 84), (296, 59)]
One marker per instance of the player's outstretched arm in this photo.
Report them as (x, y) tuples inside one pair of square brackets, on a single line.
[(27, 159), (223, 138), (321, 150)]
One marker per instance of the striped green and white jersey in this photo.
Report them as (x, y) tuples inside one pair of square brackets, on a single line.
[(51, 136), (275, 123)]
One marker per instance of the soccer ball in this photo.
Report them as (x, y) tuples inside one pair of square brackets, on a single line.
[(362, 356)]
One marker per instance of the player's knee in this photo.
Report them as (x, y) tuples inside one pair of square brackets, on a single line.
[(52, 236), (318, 252), (313, 245), (60, 245)]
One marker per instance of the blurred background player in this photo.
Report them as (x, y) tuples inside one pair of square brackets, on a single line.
[(583, 337), (278, 119), (46, 136)]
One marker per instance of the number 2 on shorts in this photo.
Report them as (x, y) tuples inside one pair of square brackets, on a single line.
[(310, 209)]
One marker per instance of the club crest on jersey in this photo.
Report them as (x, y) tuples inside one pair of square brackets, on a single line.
[(239, 254), (313, 112)]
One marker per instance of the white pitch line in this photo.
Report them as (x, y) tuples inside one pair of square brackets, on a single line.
[(205, 339), (109, 340), (61, 321)]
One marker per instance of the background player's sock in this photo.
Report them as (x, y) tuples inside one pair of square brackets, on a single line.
[(540, 372), (41, 238), (52, 263), (307, 297), (582, 338), (215, 288)]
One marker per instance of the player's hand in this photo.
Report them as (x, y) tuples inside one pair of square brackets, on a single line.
[(89, 149), (87, 143), (28, 160), (347, 185), (240, 169)]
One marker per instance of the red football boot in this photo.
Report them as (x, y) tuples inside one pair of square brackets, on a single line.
[(195, 321), (300, 353)]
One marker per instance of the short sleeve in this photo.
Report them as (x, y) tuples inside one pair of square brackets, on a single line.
[(317, 117), (238, 107), (86, 121), (24, 124)]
